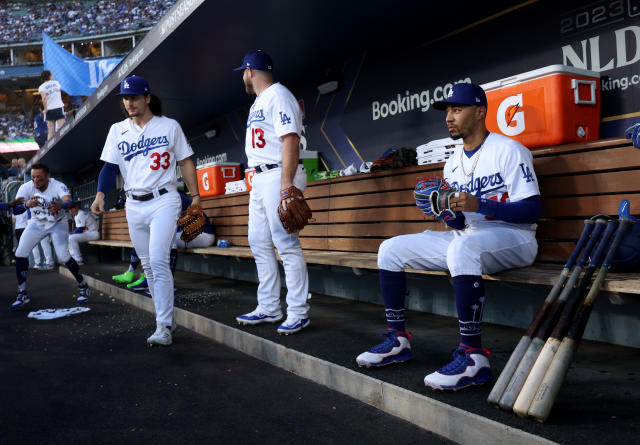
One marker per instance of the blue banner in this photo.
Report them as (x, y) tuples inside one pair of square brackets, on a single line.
[(77, 76)]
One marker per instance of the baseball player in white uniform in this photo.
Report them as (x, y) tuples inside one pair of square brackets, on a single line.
[(145, 148), (495, 209), (86, 230), (272, 147), (51, 93), (46, 199)]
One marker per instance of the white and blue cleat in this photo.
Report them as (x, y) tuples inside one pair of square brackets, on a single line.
[(292, 325), (395, 349), (83, 293), (469, 367), (257, 317), (21, 300)]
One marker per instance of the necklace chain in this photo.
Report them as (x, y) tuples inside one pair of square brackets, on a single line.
[(475, 162)]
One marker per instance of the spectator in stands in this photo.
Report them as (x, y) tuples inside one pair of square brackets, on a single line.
[(51, 92), (39, 125), (14, 170), (25, 21), (86, 230), (14, 125)]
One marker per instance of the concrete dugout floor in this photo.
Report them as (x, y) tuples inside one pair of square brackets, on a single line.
[(599, 401), (91, 379)]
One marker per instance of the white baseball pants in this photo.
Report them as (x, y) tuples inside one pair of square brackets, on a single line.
[(34, 232), (45, 243), (76, 238), (152, 228), (265, 232), (202, 240), (474, 251)]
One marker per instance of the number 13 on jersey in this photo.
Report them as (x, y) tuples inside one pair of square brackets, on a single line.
[(257, 138)]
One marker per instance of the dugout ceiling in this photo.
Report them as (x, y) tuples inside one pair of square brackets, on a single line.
[(189, 55)]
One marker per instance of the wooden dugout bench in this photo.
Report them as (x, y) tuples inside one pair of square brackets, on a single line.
[(354, 214)]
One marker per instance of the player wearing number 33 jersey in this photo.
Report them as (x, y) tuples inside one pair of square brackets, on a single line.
[(145, 148)]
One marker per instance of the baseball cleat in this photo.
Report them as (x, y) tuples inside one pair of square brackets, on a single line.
[(395, 349), (161, 337), (257, 317), (469, 367), (21, 300), (83, 293), (293, 324), (139, 285), (124, 278)]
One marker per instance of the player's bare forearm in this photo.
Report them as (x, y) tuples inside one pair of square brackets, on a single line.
[(189, 175), (290, 158), (97, 206)]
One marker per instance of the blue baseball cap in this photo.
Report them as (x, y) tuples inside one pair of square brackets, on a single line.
[(256, 60), (134, 85), (463, 94)]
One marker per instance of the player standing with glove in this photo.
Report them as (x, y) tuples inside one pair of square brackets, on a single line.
[(272, 146), (494, 213), (145, 148)]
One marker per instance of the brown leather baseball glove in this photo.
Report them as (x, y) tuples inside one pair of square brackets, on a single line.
[(297, 213), (192, 223)]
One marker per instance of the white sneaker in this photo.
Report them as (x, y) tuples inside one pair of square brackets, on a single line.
[(293, 324), (161, 337), (257, 317)]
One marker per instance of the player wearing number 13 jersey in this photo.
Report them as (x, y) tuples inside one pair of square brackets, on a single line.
[(145, 148), (272, 147)]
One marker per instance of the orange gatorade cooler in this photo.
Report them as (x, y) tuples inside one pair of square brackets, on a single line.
[(211, 179), (248, 177), (553, 105)]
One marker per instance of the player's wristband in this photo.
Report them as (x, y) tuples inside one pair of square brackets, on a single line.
[(65, 205), (197, 194), (19, 209)]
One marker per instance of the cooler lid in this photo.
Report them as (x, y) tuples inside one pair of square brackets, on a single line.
[(537, 74)]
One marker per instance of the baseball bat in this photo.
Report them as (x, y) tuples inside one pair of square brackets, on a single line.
[(522, 371), (542, 362), (555, 375), (523, 344)]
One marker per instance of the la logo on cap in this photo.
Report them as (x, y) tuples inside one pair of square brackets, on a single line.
[(450, 93), (126, 84)]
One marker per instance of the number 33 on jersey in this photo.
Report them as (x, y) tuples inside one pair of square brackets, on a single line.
[(146, 156), (275, 113)]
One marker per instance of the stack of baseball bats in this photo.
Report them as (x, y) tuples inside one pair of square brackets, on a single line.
[(532, 377)]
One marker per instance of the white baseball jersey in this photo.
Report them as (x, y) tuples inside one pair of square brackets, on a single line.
[(84, 219), (40, 213), (146, 156), (52, 90), (22, 220), (275, 113), (503, 172)]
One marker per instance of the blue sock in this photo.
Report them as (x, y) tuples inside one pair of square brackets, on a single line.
[(394, 287), (22, 265), (469, 290), (173, 260), (75, 270), (135, 261)]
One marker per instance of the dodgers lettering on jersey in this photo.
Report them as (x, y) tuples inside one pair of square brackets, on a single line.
[(504, 172), (55, 191), (147, 157), (274, 113)]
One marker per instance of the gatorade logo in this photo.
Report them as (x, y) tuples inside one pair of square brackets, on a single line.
[(205, 180), (510, 120)]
